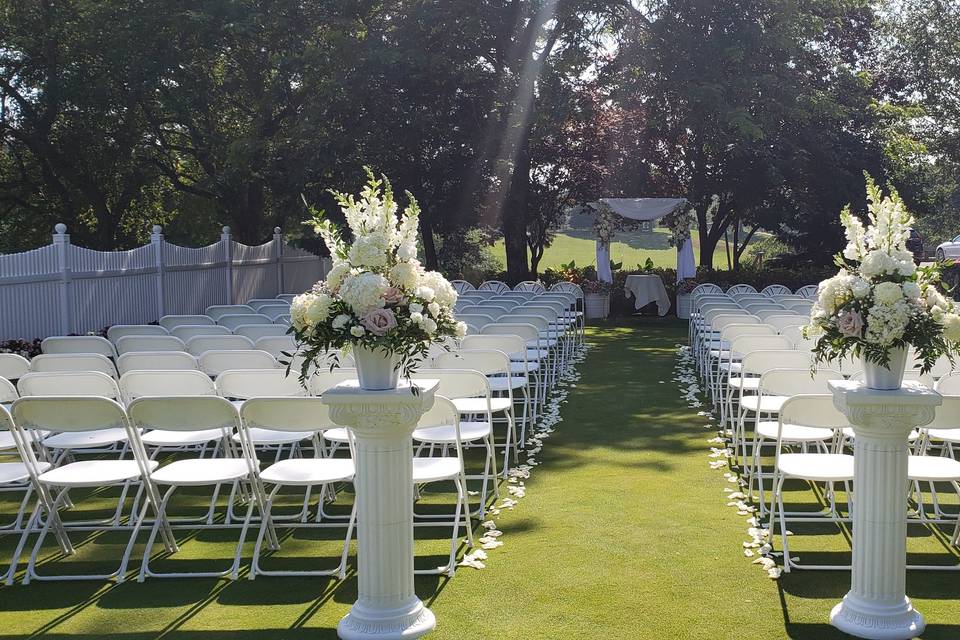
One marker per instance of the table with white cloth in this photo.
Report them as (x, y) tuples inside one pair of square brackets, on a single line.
[(647, 289)]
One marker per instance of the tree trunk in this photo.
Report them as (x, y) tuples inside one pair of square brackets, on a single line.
[(514, 216), (429, 246)]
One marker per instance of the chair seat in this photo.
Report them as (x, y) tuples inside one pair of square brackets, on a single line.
[(748, 384), (201, 471), (336, 435), (435, 468), (533, 355), (793, 432), (823, 467), (94, 473), (945, 435), (731, 367), (86, 439), (932, 468), (763, 404), (6, 439), (479, 405), (504, 383), (259, 435), (303, 472), (521, 368), (446, 434), (165, 438), (13, 472)]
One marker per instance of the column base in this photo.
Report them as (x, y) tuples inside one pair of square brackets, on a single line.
[(365, 623), (865, 619)]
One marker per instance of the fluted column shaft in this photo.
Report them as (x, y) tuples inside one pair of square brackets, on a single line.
[(876, 605), (382, 421)]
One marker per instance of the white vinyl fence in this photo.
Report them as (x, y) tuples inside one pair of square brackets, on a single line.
[(62, 288)]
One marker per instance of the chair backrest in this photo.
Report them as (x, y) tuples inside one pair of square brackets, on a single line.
[(719, 322), (79, 344), (287, 297), (274, 311), (503, 303), (172, 322), (547, 311), (193, 413), (764, 306), (525, 330), (232, 321), (444, 413), (706, 287), (949, 385), (711, 315), (487, 361), (219, 310), (812, 411), (283, 321), (257, 331), (569, 287), (792, 382), (798, 307), (73, 362), (809, 291), (276, 345), (731, 332), (795, 334), (461, 286), (530, 285), (156, 360), (518, 317), (509, 344), (69, 413), (781, 321), (494, 285), (494, 311), (187, 331), (948, 413), (8, 393), (118, 331), (479, 320), (201, 344), (747, 298), (68, 383), (13, 365), (775, 290), (251, 383), (457, 383), (326, 379), (214, 363), (129, 344), (744, 344), (741, 288), (763, 314), (759, 362), (285, 413), (138, 384)]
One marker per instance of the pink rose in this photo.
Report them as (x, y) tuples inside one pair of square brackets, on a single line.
[(379, 321), (393, 295), (850, 324)]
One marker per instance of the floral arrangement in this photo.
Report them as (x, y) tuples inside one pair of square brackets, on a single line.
[(687, 286), (679, 223), (880, 300), (596, 286), (606, 224), (376, 295)]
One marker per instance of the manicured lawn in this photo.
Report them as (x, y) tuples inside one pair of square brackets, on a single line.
[(630, 248), (624, 533)]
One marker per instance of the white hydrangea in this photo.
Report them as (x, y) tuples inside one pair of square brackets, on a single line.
[(406, 275), (434, 309), (911, 290), (407, 251), (336, 275), (887, 293), (877, 263), (445, 294), (860, 288), (363, 292), (416, 317), (340, 321), (369, 250), (310, 309), (887, 323), (835, 291), (425, 293)]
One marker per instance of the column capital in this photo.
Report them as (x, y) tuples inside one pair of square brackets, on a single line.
[(380, 413), (885, 413)]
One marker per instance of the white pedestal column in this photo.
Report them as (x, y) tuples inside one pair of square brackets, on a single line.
[(382, 422), (876, 605)]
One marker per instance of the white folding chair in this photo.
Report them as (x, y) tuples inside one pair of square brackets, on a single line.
[(530, 285), (774, 290), (172, 322), (274, 311), (494, 285), (232, 321), (428, 469), (130, 344), (740, 288), (949, 384), (79, 344), (180, 413), (198, 345), (187, 331), (514, 346), (461, 286), (276, 345), (152, 360), (213, 363), (809, 291), (12, 366), (219, 310), (76, 416), (257, 331), (118, 331), (296, 415), (54, 362)]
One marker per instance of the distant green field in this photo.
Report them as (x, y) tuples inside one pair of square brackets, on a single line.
[(629, 247)]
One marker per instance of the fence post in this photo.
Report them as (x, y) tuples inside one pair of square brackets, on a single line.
[(61, 240), (278, 249), (156, 239), (228, 255)]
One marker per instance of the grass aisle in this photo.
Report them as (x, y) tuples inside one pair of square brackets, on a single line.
[(623, 534)]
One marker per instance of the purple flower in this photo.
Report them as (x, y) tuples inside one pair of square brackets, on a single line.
[(850, 324), (379, 321), (393, 295)]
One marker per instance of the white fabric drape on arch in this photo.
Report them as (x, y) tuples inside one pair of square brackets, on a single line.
[(643, 209)]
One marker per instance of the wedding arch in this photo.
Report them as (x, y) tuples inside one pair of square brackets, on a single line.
[(676, 213)]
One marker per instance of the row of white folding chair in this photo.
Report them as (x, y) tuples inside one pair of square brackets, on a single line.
[(171, 324)]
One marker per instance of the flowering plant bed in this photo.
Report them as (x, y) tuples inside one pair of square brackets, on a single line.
[(376, 295), (880, 301)]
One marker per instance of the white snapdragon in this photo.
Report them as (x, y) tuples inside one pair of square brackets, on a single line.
[(407, 251)]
